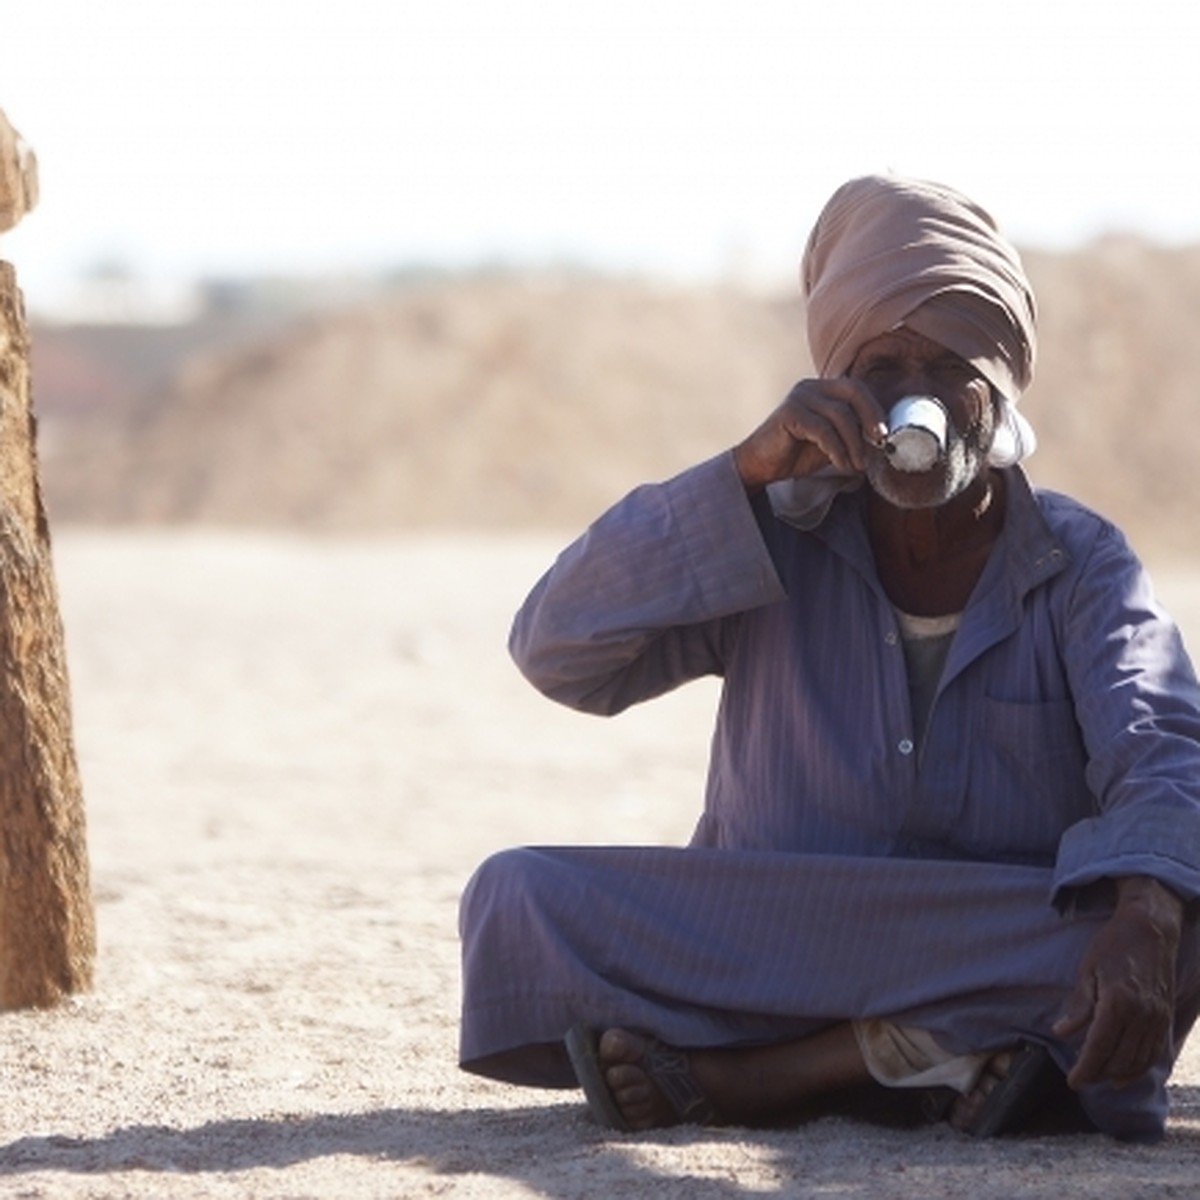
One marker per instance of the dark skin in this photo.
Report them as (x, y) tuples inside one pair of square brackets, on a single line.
[(931, 537)]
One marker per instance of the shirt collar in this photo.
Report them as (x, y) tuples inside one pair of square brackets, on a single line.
[(1026, 554)]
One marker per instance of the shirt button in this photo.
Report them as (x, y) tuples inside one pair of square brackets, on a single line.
[(890, 637), (905, 747)]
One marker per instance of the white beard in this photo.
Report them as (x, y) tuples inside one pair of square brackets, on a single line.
[(965, 459)]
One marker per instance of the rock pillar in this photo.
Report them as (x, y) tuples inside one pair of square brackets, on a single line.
[(47, 933)]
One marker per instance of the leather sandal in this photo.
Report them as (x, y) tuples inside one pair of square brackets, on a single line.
[(666, 1067), (1019, 1095)]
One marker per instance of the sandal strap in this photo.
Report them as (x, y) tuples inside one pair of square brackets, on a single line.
[(1018, 1095), (671, 1072)]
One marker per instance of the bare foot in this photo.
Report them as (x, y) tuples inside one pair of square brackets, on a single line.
[(742, 1085), (641, 1102)]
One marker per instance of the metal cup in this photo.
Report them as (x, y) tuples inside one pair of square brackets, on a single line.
[(916, 437)]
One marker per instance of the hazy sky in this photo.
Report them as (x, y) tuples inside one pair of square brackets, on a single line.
[(664, 136)]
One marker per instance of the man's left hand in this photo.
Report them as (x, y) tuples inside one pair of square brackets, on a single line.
[(1125, 993)]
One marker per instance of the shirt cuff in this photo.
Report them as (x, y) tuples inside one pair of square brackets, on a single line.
[(723, 546), (1145, 839)]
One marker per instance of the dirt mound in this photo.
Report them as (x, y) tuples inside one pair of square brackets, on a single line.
[(518, 402), (1115, 401), (484, 404)]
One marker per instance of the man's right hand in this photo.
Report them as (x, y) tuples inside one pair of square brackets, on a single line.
[(1124, 996), (820, 422)]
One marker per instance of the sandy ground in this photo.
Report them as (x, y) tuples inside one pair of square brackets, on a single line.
[(294, 753)]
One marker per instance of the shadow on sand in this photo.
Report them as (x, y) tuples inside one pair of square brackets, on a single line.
[(554, 1150)]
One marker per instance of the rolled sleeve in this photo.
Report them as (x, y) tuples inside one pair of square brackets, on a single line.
[(1149, 840), (636, 605)]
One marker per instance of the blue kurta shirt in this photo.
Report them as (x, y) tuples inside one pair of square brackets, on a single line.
[(1065, 731)]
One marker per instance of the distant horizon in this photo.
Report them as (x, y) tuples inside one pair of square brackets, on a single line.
[(47, 287), (154, 297)]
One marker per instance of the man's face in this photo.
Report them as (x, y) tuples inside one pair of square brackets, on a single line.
[(903, 363)]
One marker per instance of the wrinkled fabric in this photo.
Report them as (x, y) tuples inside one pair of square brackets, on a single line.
[(1066, 678), (905, 1057), (888, 251), (845, 867)]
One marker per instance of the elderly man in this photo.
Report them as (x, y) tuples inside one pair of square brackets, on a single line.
[(952, 824)]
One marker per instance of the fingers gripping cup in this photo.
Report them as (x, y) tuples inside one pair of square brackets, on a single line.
[(916, 437)]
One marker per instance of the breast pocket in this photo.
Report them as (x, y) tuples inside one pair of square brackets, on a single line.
[(1027, 782)]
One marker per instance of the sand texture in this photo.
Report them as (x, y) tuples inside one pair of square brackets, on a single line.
[(294, 752)]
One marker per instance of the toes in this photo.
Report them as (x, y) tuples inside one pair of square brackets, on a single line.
[(635, 1095), (641, 1111), (639, 1099), (620, 1046), (998, 1066), (625, 1077), (966, 1108)]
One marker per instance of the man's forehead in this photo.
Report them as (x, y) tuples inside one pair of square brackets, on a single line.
[(903, 340)]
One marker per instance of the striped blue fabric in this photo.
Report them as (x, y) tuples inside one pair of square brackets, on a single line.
[(839, 868)]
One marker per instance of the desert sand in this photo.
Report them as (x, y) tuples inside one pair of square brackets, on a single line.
[(294, 752)]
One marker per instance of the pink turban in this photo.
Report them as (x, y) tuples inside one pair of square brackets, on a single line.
[(888, 251)]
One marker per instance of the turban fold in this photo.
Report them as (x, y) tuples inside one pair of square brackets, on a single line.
[(888, 251)]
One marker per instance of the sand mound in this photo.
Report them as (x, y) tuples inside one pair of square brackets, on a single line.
[(483, 404), (517, 402)]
